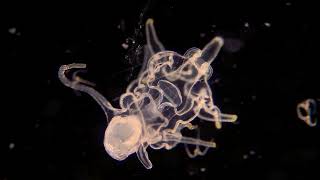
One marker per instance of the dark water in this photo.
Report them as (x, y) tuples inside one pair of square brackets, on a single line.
[(267, 66)]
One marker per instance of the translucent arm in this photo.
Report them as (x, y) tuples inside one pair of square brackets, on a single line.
[(143, 156), (153, 42), (177, 137), (211, 50), (105, 104), (214, 115)]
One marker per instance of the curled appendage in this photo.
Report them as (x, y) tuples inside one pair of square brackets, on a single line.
[(65, 68), (307, 112), (76, 85), (180, 124), (197, 150), (77, 78), (215, 115)]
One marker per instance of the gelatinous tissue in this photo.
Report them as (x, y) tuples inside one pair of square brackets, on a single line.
[(170, 92), (307, 111)]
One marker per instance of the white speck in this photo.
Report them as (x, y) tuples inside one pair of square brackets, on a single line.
[(246, 24), (12, 30), (124, 45), (202, 35), (203, 169), (259, 157), (11, 145), (234, 66), (119, 26), (267, 24), (213, 26), (252, 152), (254, 97), (67, 51), (216, 81), (245, 156), (288, 4)]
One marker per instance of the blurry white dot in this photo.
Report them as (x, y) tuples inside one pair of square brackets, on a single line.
[(83, 153), (124, 45), (11, 145), (226, 100), (36, 125), (252, 152), (203, 169), (12, 30), (202, 35), (191, 173), (213, 25), (67, 51), (254, 98), (245, 156), (267, 24), (246, 24), (216, 81), (119, 26), (234, 66), (288, 4)]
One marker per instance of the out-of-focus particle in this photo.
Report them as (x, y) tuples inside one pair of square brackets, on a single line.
[(11, 145), (12, 30), (252, 152), (267, 24), (124, 45), (245, 156), (232, 45)]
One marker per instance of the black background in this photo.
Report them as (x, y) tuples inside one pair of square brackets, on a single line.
[(263, 71)]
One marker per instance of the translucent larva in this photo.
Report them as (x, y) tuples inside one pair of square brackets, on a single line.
[(170, 91)]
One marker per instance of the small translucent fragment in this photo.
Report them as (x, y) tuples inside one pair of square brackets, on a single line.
[(170, 91), (11, 145), (267, 24), (307, 112)]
